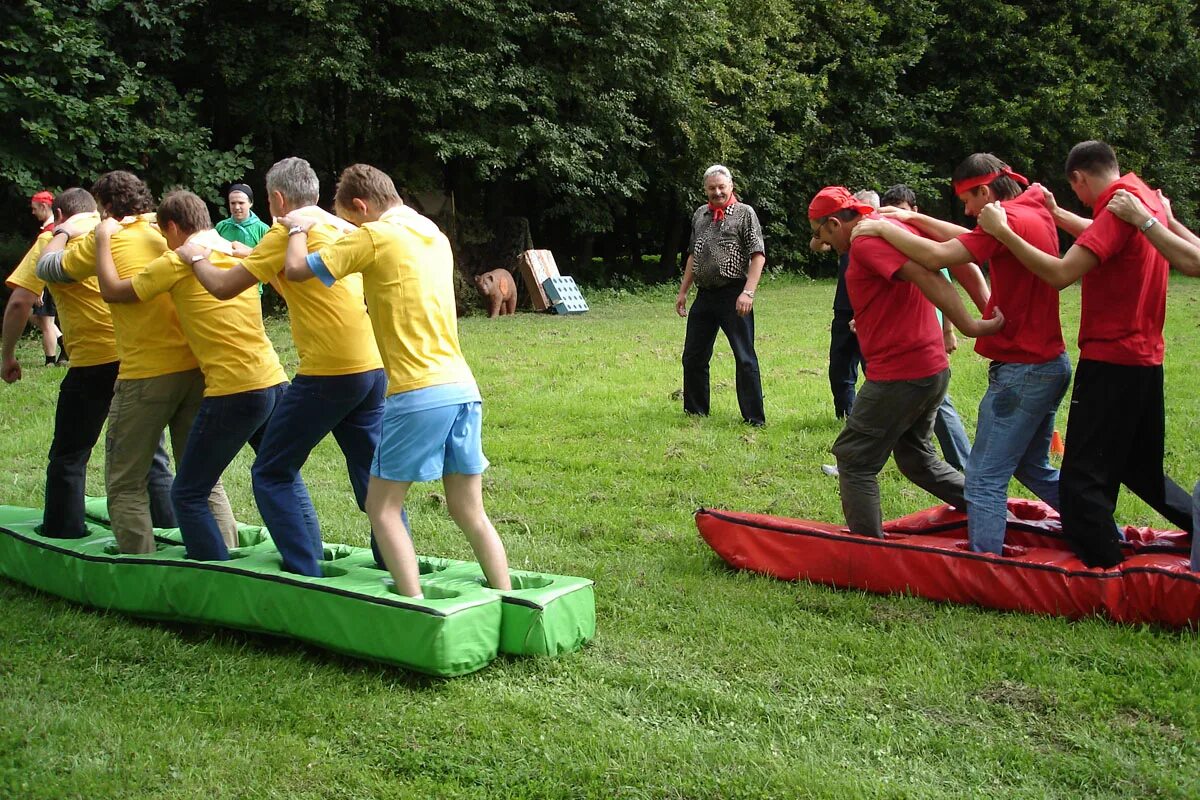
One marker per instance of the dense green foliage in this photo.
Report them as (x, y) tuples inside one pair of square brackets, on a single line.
[(594, 120), (702, 682)]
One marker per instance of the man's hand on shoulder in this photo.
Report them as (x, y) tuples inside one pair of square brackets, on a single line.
[(107, 227), (1128, 208), (240, 250), (190, 252), (294, 220), (900, 214), (1047, 197), (993, 218), (867, 227)]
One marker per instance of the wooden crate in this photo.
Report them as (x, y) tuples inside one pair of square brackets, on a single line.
[(536, 267)]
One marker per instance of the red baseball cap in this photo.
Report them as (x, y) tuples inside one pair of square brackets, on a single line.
[(833, 199), (43, 197)]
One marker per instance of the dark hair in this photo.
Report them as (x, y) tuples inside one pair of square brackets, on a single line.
[(366, 183), (900, 193), (1093, 157), (123, 192), (184, 209), (976, 164), (843, 215), (74, 201)]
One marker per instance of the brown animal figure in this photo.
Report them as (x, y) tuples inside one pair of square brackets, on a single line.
[(500, 290)]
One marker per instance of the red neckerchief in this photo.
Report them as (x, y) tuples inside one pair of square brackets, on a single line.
[(719, 211)]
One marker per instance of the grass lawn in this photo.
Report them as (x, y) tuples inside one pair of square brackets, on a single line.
[(702, 682)]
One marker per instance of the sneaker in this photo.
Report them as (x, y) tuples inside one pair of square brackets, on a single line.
[(830, 470)]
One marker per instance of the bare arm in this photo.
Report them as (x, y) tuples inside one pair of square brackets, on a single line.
[(16, 316), (926, 252), (745, 302), (1058, 272), (684, 286), (222, 284), (295, 258), (1069, 222), (113, 288), (942, 294), (1182, 249), (970, 276), (933, 227)]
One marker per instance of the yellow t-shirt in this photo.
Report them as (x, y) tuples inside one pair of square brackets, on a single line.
[(150, 341), (408, 277), (227, 336), (83, 315), (330, 326)]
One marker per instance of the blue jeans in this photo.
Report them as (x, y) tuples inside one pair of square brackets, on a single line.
[(350, 407), (223, 425), (951, 435), (1016, 422)]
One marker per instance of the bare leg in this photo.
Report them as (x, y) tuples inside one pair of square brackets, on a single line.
[(464, 499), (385, 500), (49, 335)]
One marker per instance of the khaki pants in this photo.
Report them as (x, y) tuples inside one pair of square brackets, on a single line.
[(140, 410), (892, 418)]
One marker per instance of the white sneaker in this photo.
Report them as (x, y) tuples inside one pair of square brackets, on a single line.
[(830, 470)]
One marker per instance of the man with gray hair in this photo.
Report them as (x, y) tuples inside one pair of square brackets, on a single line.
[(725, 260), (340, 385)]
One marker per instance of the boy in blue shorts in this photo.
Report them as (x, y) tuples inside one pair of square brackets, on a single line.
[(433, 413)]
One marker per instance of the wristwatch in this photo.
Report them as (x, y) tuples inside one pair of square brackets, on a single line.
[(198, 257), (1147, 225), (292, 231)]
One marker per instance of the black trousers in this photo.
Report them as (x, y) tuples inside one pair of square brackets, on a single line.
[(84, 397), (1115, 435), (713, 310), (845, 358)]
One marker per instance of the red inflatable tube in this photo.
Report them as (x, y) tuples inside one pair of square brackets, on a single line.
[(925, 554)]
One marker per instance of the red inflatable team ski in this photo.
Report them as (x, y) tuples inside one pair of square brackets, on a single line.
[(925, 554)]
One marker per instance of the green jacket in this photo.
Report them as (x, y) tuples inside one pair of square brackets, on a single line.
[(248, 232)]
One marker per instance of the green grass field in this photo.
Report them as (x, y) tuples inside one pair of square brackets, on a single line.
[(701, 683)]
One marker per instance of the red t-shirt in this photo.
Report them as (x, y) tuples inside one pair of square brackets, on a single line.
[(898, 329), (1032, 333), (1125, 295)]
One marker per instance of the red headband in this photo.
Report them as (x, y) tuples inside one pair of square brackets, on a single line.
[(983, 180), (833, 199), (43, 197)]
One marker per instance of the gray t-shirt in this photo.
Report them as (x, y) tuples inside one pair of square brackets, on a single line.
[(721, 251)]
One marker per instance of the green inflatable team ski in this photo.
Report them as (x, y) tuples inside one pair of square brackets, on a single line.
[(459, 626)]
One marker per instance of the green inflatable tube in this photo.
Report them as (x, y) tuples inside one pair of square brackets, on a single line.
[(459, 626)]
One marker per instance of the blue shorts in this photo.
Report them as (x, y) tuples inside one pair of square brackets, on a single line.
[(426, 444)]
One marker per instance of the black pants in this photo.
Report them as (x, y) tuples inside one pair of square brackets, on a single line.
[(1115, 435), (845, 358), (84, 397), (713, 310)]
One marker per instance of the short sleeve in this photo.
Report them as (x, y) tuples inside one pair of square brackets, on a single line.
[(266, 260), (876, 255), (25, 275), (691, 243), (354, 252), (752, 235), (79, 262), (1106, 236), (980, 244), (159, 276)]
